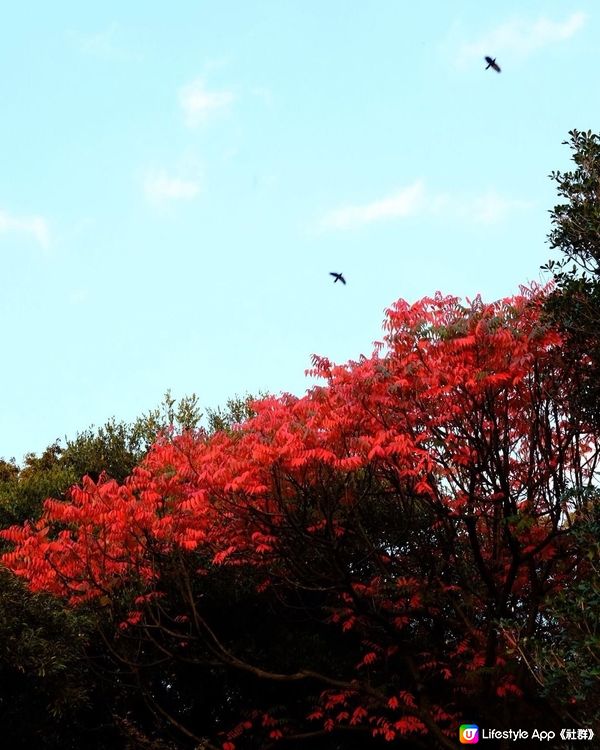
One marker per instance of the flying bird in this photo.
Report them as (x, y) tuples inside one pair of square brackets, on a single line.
[(491, 63), (338, 277)]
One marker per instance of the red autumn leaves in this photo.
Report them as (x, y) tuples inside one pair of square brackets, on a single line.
[(422, 490)]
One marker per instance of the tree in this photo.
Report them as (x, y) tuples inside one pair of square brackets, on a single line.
[(350, 567), (571, 663), (8, 470), (117, 447), (55, 688), (237, 410), (575, 304), (568, 663), (23, 489), (50, 694)]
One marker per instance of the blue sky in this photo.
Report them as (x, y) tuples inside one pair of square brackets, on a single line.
[(177, 181)]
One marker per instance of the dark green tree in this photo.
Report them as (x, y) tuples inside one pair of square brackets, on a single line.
[(237, 410), (565, 660), (575, 303), (24, 489), (569, 662)]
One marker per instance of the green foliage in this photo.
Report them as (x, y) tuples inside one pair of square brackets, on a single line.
[(576, 223), (22, 491), (236, 411), (8, 470), (113, 449), (49, 698), (567, 661), (117, 447), (575, 304), (168, 417)]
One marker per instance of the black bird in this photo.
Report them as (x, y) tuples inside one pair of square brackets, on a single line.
[(338, 277), (491, 63)]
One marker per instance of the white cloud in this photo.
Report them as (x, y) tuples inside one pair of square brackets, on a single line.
[(486, 208), (491, 207), (401, 203), (35, 226), (78, 296), (519, 37), (108, 44), (199, 104), (160, 188)]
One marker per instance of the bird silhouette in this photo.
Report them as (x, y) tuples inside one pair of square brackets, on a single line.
[(338, 277), (491, 63)]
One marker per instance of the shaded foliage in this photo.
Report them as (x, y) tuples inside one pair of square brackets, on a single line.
[(574, 306), (565, 662), (57, 689), (237, 410)]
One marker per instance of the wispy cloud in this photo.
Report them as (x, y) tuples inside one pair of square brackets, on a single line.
[(520, 37), (159, 187), (107, 44), (491, 207), (78, 296), (34, 226), (199, 104), (401, 203), (486, 208)]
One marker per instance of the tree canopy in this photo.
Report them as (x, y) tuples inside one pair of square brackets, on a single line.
[(358, 565), (575, 304)]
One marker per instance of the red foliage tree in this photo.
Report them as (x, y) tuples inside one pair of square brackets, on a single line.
[(421, 499)]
